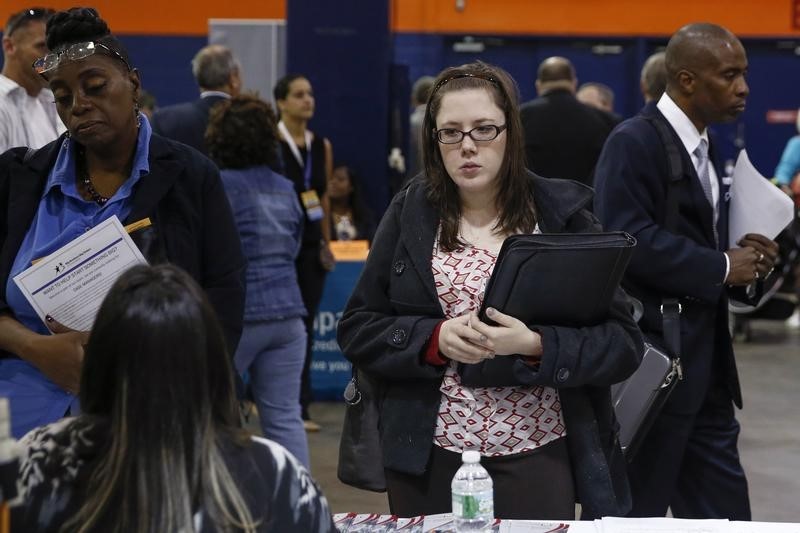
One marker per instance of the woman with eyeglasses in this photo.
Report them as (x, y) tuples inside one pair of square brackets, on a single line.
[(541, 418), (158, 446), (109, 163)]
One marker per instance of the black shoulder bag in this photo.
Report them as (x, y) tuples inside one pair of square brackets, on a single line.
[(638, 400), (360, 453)]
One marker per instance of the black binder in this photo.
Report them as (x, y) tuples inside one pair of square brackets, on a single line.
[(565, 279), (557, 279)]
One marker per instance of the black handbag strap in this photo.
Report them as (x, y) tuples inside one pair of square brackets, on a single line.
[(670, 307)]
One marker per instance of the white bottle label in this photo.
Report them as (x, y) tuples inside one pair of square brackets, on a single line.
[(470, 506)]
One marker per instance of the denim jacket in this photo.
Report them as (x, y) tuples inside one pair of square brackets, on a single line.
[(270, 223)]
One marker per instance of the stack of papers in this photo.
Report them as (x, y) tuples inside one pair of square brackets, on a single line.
[(439, 523), (675, 525), (443, 523)]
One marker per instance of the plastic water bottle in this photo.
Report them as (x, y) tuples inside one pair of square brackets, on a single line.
[(473, 495)]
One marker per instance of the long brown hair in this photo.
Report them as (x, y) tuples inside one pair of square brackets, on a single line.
[(515, 191)]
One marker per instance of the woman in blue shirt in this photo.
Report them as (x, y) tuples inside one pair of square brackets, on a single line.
[(108, 164), (242, 140), (789, 165)]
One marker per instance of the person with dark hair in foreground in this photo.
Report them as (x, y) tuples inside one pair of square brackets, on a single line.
[(540, 414), (158, 446), (242, 140), (108, 164)]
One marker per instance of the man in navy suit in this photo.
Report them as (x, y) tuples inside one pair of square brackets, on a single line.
[(689, 460), (218, 75)]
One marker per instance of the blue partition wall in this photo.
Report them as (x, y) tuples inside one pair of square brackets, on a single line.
[(354, 62), (164, 65), (774, 76), (344, 48)]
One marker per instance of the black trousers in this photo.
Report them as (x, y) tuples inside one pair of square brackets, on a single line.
[(690, 463), (536, 485), (311, 278)]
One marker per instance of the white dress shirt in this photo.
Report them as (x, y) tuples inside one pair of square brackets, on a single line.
[(26, 120), (690, 137)]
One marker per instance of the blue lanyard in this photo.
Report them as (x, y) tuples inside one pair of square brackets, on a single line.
[(307, 169), (296, 152)]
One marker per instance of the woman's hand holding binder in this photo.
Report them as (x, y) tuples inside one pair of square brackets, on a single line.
[(509, 337), (460, 342)]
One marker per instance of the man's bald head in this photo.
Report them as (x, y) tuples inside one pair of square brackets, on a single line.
[(555, 73), (555, 69), (695, 47), (706, 74)]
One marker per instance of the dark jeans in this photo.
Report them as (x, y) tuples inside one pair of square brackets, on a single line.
[(311, 278), (535, 485)]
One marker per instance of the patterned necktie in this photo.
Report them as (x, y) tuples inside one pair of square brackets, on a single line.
[(701, 152)]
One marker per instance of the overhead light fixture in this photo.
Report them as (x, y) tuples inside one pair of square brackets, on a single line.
[(607, 49), (469, 45)]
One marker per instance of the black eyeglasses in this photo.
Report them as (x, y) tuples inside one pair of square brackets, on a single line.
[(488, 132), (74, 52), (16, 21)]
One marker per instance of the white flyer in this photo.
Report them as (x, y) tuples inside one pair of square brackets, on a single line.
[(756, 205), (70, 283)]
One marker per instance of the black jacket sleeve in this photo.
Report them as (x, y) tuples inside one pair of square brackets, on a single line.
[(386, 325)]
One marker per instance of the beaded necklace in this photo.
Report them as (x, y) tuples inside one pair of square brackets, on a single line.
[(86, 179)]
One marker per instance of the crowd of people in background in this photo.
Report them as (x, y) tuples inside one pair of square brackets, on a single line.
[(141, 414)]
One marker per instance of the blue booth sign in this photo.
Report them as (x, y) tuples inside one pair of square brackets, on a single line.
[(330, 371)]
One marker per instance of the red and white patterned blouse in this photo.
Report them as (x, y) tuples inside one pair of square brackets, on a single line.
[(495, 421)]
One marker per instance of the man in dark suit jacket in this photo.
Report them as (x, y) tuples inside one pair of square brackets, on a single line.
[(689, 459), (563, 137), (218, 75)]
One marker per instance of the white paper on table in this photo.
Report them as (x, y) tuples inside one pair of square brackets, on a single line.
[(761, 527), (70, 283), (756, 205), (663, 525), (541, 526)]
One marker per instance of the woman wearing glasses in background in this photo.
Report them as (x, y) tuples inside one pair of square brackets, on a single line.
[(107, 164), (546, 433)]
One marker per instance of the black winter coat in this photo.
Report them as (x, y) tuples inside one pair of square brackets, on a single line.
[(394, 309)]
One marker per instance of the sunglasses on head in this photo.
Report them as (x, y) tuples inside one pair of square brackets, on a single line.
[(20, 19), (74, 52)]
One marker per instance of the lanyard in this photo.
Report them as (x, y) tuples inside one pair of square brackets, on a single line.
[(306, 166)]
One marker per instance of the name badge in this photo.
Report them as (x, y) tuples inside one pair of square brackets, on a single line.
[(312, 205)]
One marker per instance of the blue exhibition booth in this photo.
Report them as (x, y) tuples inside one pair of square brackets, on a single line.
[(330, 371)]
